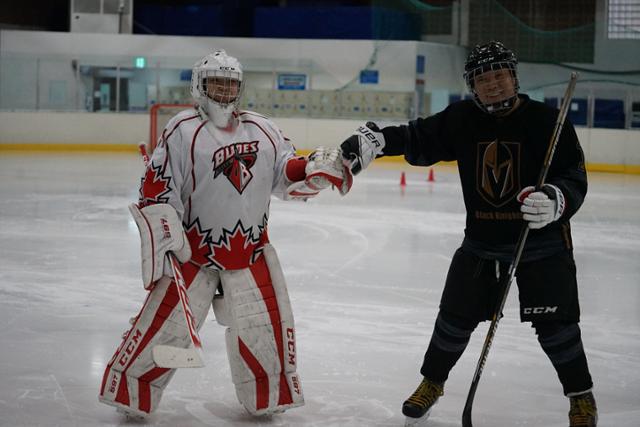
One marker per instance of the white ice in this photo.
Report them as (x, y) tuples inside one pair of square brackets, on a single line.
[(365, 273)]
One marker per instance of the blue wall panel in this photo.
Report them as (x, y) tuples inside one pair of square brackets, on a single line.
[(577, 113), (609, 113), (193, 20), (335, 23)]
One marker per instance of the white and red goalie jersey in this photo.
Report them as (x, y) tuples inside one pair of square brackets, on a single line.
[(220, 182)]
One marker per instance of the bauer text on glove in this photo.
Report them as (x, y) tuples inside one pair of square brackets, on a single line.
[(362, 147)]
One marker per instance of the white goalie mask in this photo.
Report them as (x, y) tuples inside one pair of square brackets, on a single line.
[(216, 86)]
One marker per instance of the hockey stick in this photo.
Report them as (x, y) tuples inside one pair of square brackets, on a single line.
[(166, 356), (564, 107)]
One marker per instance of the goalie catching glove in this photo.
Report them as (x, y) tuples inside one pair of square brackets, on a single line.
[(160, 231), (542, 207), (362, 147), (324, 168)]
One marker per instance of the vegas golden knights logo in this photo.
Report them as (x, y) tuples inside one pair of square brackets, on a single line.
[(498, 171)]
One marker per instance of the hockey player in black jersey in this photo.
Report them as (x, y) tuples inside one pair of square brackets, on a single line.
[(499, 140)]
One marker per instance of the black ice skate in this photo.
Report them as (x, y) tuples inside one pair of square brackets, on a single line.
[(583, 412), (418, 406)]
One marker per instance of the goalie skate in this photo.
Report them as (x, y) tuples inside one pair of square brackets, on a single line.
[(131, 416)]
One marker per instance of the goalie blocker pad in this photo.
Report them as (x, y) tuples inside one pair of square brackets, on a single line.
[(160, 231), (260, 336)]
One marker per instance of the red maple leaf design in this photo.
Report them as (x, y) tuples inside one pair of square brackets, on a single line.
[(235, 249), (154, 187), (199, 241)]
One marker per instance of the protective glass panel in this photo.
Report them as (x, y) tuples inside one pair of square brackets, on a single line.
[(86, 6), (113, 6)]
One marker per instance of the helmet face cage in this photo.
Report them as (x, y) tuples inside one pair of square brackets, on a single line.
[(216, 86), (223, 87), (491, 56), (502, 105)]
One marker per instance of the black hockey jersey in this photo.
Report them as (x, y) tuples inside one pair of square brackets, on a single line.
[(497, 157)]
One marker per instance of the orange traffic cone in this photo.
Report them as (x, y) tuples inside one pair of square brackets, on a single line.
[(431, 177), (403, 180)]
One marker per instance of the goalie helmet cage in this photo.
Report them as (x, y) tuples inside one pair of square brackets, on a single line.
[(159, 116)]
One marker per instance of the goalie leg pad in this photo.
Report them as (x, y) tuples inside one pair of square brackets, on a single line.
[(132, 382), (261, 337)]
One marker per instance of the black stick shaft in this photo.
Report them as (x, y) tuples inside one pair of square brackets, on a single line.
[(555, 136)]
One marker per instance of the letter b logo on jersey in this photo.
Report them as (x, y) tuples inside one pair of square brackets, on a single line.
[(235, 162)]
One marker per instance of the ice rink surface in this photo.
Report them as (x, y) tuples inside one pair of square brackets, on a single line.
[(365, 273)]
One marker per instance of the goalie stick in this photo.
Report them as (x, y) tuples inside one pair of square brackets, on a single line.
[(555, 136), (166, 356)]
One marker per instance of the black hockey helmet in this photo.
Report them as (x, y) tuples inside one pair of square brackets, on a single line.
[(487, 57)]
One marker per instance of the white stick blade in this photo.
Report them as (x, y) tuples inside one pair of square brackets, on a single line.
[(166, 356)]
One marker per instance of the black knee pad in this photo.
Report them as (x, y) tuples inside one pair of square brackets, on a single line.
[(452, 332), (450, 337), (561, 341)]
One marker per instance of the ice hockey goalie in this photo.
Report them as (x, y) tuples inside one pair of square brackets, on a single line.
[(205, 198)]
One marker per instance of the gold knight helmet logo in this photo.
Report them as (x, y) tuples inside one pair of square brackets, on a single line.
[(498, 174)]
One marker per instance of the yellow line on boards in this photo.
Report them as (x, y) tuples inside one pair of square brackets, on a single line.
[(604, 167), (133, 148)]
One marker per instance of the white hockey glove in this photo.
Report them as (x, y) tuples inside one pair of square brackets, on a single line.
[(324, 168), (160, 231), (541, 207), (362, 147)]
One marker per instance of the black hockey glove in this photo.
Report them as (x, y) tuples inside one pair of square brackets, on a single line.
[(362, 147)]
